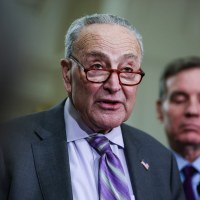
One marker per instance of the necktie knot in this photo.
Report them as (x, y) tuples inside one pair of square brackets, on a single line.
[(189, 171), (100, 143)]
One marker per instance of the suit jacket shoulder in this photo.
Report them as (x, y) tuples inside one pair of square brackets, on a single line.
[(34, 157), (142, 138), (152, 167)]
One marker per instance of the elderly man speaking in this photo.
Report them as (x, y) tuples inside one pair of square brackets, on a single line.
[(81, 149)]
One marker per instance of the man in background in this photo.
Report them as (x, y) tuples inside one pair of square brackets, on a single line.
[(81, 149), (178, 108)]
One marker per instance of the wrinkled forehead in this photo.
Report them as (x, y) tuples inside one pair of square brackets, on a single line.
[(107, 38)]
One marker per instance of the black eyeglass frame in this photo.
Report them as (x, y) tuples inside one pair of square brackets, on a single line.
[(141, 72)]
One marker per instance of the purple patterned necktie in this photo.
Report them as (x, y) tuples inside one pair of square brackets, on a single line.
[(188, 172), (112, 182)]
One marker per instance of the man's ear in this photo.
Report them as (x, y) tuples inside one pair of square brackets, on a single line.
[(66, 66), (159, 110)]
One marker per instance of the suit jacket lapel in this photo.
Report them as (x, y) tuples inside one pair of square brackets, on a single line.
[(52, 169), (51, 157), (139, 175)]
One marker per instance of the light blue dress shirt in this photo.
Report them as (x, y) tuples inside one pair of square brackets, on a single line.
[(84, 159), (196, 178)]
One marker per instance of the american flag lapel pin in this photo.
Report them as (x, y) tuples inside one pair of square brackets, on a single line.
[(145, 165)]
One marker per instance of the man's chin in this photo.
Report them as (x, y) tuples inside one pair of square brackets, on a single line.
[(107, 127)]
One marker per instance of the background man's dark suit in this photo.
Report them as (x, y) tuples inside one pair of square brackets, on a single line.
[(34, 163)]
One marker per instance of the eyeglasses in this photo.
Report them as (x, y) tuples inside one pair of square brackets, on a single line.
[(102, 75)]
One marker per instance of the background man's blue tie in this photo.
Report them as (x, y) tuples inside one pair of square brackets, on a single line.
[(188, 172), (112, 182)]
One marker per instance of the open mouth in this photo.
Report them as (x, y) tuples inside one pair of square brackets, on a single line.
[(110, 105)]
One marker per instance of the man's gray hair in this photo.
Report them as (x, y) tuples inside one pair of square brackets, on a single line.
[(76, 27)]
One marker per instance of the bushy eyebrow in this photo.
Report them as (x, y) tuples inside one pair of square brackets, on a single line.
[(178, 93), (97, 55)]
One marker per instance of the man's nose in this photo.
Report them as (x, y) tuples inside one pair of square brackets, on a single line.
[(112, 83), (193, 108)]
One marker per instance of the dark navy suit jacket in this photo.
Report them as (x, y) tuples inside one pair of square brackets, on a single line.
[(34, 162)]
